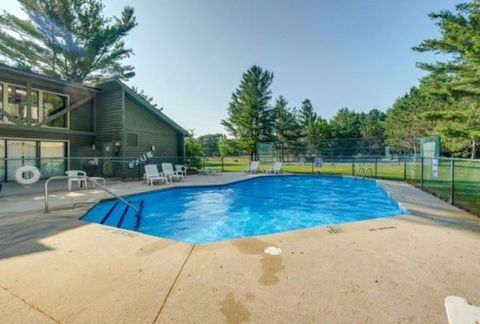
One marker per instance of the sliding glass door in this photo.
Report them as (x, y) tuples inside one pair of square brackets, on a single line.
[(2, 160), (20, 153), (52, 158)]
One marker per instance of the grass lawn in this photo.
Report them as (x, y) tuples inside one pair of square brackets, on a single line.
[(467, 174)]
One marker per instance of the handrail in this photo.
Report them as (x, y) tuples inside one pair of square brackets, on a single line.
[(88, 179), (371, 172), (361, 170)]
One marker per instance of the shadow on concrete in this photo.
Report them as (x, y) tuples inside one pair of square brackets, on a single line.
[(20, 234), (435, 217)]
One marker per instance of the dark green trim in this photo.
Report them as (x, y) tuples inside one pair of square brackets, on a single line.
[(30, 75), (47, 130), (29, 103)]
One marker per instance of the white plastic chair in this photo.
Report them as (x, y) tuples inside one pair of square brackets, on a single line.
[(181, 169), (76, 176), (276, 169), (253, 168), (170, 174), (152, 174)]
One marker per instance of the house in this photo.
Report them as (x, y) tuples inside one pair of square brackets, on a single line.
[(57, 125)]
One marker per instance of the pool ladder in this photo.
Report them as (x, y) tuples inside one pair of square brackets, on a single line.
[(115, 196), (119, 218), (364, 173)]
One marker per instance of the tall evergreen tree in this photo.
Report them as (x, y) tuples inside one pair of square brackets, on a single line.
[(286, 130), (406, 122), (250, 117), (345, 124), (458, 78), (460, 40), (308, 122), (70, 39)]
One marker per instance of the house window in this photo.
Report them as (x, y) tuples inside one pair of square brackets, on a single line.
[(132, 140), (17, 102), (52, 104), (35, 106)]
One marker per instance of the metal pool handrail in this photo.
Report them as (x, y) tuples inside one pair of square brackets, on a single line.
[(92, 181)]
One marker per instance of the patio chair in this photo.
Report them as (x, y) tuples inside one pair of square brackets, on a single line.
[(253, 168), (459, 310), (170, 174), (181, 169), (77, 176), (152, 174), (276, 169)]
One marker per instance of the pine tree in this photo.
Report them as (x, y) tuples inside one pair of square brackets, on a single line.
[(286, 130), (308, 122), (69, 39), (250, 118)]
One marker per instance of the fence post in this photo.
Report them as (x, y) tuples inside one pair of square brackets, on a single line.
[(353, 166), (222, 164), (376, 164), (405, 167), (421, 172), (452, 181)]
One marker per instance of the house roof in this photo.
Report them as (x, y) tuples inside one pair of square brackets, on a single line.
[(144, 103), (38, 76), (97, 88)]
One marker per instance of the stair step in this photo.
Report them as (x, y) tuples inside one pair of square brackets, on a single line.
[(109, 213)]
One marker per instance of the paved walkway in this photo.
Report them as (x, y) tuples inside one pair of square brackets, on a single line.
[(56, 269)]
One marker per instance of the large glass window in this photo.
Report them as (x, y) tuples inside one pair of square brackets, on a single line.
[(2, 160), (52, 104), (17, 102), (52, 158)]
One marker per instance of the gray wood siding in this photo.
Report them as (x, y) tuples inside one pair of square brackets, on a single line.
[(109, 117), (150, 131), (82, 118)]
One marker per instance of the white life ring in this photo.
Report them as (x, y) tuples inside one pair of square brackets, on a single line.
[(19, 173)]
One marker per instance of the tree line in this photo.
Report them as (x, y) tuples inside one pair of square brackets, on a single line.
[(445, 103)]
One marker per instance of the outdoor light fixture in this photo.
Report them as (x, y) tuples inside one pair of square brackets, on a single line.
[(94, 147), (152, 148)]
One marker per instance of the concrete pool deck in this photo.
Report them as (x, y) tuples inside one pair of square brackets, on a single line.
[(57, 269)]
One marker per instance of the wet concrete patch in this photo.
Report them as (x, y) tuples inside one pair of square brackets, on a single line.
[(235, 311), (271, 264)]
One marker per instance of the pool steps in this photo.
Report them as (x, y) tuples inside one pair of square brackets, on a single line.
[(125, 217)]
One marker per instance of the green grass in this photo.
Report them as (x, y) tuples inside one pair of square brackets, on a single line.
[(467, 175)]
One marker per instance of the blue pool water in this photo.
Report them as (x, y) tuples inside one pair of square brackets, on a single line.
[(257, 206)]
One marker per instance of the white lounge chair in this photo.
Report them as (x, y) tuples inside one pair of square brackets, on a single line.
[(77, 176), (180, 168), (460, 311), (170, 174), (253, 168), (152, 174), (276, 169)]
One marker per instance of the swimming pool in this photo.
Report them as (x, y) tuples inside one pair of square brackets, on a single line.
[(257, 206)]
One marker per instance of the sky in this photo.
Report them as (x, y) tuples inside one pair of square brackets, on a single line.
[(190, 54)]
